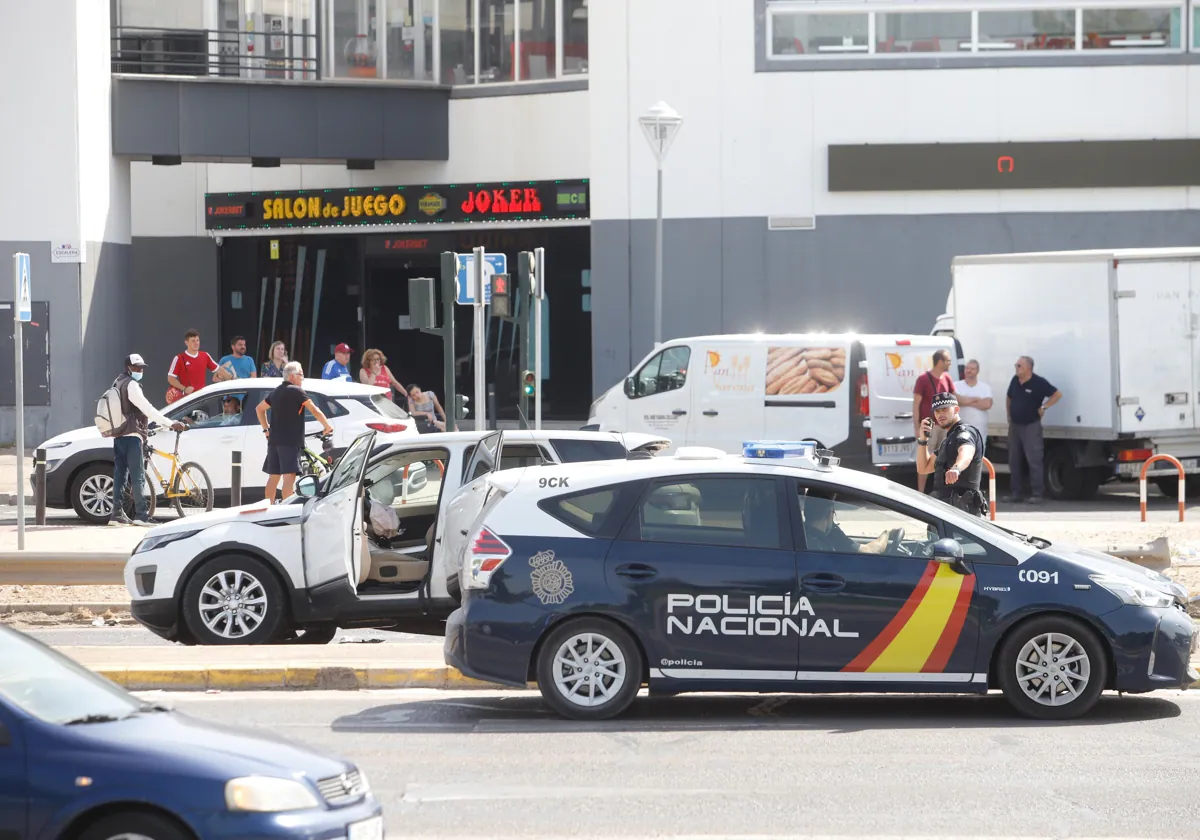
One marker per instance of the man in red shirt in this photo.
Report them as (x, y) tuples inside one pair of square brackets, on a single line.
[(935, 381), (187, 372)]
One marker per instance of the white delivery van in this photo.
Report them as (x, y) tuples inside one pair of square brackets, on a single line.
[(1117, 331), (849, 393)]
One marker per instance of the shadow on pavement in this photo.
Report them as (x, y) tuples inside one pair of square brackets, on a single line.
[(526, 713)]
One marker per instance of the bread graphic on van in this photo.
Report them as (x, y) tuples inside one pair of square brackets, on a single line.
[(804, 370)]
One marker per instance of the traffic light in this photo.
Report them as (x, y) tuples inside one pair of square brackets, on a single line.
[(460, 406), (528, 383), (501, 296)]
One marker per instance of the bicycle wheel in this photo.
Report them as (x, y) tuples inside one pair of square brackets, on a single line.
[(150, 491), (192, 490)]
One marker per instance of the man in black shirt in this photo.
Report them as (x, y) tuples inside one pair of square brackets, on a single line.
[(285, 432), (958, 463), (1029, 395)]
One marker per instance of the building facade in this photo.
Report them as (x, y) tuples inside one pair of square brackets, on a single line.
[(834, 156)]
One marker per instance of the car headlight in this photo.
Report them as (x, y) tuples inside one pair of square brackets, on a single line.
[(55, 445), (1133, 593), (268, 795), (159, 540)]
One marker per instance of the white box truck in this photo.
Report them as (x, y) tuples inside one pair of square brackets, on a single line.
[(1118, 332)]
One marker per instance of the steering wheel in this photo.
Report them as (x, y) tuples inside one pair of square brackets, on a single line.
[(895, 540)]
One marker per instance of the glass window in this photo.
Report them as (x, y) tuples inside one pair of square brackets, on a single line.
[(517, 455), (575, 37), (349, 467), (921, 32), (732, 511), (1125, 29), (536, 45), (1049, 29), (571, 451), (803, 33), (597, 513), (842, 523), (458, 42), (407, 479), (212, 411), (665, 372), (497, 28), (355, 45), (381, 404), (409, 39)]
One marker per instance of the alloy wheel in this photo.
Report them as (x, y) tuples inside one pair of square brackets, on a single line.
[(1053, 669), (233, 604), (589, 669)]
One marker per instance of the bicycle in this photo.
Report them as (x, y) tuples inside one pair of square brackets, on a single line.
[(188, 483), (317, 463)]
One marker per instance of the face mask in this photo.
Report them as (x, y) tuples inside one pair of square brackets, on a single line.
[(135, 375)]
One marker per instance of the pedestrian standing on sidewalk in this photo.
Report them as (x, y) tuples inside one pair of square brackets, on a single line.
[(237, 363), (931, 382), (186, 374), (285, 431), (374, 371), (974, 398), (129, 440), (1029, 395), (276, 360)]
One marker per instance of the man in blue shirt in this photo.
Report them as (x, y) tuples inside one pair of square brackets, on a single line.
[(1029, 395), (237, 362), (336, 368)]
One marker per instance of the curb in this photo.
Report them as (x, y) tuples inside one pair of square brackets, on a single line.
[(324, 678), (61, 609), (10, 499)]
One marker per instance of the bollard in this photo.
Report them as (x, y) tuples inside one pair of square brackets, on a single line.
[(404, 486), (1182, 481), (991, 489), (39, 486), (235, 489)]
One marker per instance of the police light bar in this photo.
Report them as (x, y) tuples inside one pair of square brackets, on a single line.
[(768, 449)]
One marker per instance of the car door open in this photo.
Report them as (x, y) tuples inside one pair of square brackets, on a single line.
[(333, 523)]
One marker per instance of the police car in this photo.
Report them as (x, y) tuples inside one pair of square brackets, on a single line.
[(778, 570)]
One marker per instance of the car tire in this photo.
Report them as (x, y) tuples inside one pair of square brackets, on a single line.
[(1064, 481), (1168, 485), (91, 495), (582, 640), (139, 824), (261, 610), (1024, 668)]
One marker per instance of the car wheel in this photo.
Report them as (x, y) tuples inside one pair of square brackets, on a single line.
[(589, 669), (234, 600), (1052, 668), (91, 495), (1168, 485), (134, 824)]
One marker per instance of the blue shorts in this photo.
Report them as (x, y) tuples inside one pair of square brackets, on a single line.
[(282, 460)]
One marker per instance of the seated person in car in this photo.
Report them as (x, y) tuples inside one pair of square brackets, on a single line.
[(823, 534), (231, 411)]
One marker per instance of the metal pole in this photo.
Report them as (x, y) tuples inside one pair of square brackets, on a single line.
[(449, 272), (480, 344), (18, 352), (658, 263), (39, 497), (539, 256), (235, 489)]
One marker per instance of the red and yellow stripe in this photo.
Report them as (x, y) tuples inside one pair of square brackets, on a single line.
[(921, 637)]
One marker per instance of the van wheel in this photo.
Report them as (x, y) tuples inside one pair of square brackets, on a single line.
[(589, 669), (1064, 480), (1052, 668), (234, 600)]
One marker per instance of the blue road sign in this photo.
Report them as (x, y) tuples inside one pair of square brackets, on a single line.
[(24, 307), (493, 264)]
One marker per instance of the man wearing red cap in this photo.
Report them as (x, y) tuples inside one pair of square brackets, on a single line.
[(336, 368)]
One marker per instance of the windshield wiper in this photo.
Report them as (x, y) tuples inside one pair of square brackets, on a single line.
[(92, 719)]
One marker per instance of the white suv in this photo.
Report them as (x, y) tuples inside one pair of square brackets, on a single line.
[(79, 464)]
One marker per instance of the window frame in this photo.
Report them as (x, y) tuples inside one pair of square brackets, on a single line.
[(658, 357), (632, 532)]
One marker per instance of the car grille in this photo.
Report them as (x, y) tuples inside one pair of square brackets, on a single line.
[(344, 789)]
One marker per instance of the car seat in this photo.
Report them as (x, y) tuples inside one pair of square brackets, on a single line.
[(675, 504), (760, 518)]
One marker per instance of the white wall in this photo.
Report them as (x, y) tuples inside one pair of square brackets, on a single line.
[(536, 137), (754, 144)]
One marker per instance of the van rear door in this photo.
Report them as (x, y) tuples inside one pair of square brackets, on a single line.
[(893, 366)]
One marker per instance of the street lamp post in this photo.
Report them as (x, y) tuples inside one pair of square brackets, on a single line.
[(661, 123)]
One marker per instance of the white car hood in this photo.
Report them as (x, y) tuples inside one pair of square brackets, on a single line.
[(258, 511), (89, 434), (634, 440)]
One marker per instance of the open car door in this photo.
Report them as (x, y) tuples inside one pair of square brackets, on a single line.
[(333, 523)]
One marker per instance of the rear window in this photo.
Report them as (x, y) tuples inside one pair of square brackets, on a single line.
[(380, 404), (597, 513), (572, 451)]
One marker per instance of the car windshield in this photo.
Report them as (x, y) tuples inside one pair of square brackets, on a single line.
[(47, 685)]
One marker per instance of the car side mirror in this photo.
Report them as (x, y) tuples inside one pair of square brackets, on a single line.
[(630, 386), (306, 486), (948, 551)]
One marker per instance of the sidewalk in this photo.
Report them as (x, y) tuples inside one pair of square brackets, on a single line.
[(72, 539), (341, 667), (8, 476)]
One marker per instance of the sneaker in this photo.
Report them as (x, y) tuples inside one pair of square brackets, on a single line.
[(120, 519), (142, 523)]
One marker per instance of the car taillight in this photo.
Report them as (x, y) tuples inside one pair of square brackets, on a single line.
[(1128, 455), (387, 427), (864, 396), (487, 553)]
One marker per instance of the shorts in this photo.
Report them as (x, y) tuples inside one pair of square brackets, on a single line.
[(282, 460)]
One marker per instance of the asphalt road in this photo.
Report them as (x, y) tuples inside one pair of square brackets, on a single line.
[(484, 764)]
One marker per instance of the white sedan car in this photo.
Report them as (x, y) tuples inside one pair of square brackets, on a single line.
[(79, 464), (298, 571)]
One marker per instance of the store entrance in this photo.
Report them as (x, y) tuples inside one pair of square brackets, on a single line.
[(413, 356)]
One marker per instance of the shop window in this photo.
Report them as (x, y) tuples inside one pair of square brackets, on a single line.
[(575, 37), (497, 40), (922, 32), (1044, 29), (804, 33), (408, 39), (1126, 29), (457, 24)]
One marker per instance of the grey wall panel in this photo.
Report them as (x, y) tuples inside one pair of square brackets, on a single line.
[(222, 120), (104, 294), (868, 273), (173, 288), (214, 120)]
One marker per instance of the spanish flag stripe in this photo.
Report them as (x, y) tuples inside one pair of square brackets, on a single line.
[(880, 642), (945, 645), (913, 645)]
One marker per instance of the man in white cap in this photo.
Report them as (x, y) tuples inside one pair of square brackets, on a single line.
[(128, 440)]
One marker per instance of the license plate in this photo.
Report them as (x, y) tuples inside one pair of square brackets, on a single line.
[(895, 449), (371, 829)]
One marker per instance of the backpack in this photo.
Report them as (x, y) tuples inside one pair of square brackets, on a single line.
[(110, 417)]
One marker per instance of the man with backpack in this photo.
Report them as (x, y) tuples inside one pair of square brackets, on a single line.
[(124, 414)]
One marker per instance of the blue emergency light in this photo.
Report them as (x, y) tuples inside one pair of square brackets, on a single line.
[(767, 449)]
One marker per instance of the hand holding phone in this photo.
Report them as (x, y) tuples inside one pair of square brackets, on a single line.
[(927, 426)]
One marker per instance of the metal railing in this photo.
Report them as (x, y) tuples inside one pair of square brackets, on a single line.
[(235, 53)]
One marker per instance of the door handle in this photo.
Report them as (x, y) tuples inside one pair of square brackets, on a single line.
[(710, 413), (902, 416), (679, 411), (636, 571), (823, 582)]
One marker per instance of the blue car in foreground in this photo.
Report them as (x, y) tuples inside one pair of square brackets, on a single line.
[(81, 759)]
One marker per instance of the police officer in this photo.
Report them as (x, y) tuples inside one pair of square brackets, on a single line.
[(957, 464)]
